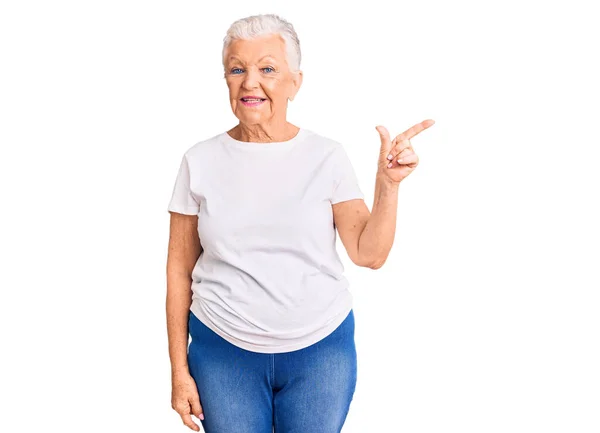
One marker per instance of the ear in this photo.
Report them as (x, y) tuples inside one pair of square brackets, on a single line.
[(296, 84)]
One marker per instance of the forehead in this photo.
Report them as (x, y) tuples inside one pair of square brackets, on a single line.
[(255, 50)]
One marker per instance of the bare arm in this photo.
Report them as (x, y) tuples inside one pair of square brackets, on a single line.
[(184, 250), (375, 241), (368, 236)]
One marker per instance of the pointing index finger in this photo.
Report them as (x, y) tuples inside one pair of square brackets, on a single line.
[(414, 130)]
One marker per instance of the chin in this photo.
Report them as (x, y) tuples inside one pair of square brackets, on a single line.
[(250, 119)]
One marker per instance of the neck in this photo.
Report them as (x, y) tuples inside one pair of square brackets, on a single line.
[(264, 133)]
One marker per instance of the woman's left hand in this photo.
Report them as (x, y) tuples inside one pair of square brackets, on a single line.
[(391, 151)]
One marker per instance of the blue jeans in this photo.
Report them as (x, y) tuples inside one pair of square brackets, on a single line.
[(306, 390)]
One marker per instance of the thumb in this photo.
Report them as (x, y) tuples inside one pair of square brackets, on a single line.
[(386, 143), (196, 408)]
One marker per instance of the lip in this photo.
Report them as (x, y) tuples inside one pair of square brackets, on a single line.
[(251, 104)]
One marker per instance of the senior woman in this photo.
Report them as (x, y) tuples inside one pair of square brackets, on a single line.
[(252, 271)]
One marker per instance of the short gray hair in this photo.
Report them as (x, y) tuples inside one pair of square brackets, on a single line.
[(261, 25)]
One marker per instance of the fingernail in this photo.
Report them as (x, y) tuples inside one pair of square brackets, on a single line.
[(390, 165), (201, 416), (390, 156)]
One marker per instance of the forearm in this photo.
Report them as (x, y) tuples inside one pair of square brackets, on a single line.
[(179, 299), (377, 237)]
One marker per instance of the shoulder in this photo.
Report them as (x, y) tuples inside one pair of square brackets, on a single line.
[(321, 143), (200, 149)]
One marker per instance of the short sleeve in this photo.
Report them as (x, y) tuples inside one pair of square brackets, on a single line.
[(182, 199), (345, 182)]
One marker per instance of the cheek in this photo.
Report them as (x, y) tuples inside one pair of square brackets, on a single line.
[(276, 89), (232, 87)]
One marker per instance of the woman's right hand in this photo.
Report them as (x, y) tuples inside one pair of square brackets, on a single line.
[(185, 399)]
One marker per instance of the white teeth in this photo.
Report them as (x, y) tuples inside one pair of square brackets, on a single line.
[(251, 100)]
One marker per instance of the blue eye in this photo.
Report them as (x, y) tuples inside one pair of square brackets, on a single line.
[(240, 69)]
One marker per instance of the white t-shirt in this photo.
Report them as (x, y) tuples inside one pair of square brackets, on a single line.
[(269, 278)]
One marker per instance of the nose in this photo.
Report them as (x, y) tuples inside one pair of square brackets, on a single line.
[(251, 79)]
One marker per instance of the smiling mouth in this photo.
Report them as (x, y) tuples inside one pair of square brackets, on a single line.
[(253, 99), (252, 102)]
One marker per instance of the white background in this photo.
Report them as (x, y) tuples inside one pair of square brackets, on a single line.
[(483, 319)]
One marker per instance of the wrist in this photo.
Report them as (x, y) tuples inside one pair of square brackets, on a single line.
[(386, 183), (179, 369)]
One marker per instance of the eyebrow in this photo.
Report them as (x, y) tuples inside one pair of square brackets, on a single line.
[(263, 57)]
